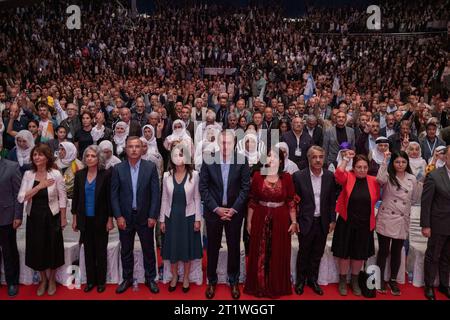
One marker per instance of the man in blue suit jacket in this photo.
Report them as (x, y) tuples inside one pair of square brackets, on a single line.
[(224, 186), (135, 204)]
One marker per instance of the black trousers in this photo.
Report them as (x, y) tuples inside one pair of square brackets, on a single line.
[(95, 242), (394, 246), (310, 251), (8, 245), (437, 258), (214, 230), (148, 250)]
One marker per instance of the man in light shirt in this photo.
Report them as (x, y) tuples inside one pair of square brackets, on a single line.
[(316, 216)]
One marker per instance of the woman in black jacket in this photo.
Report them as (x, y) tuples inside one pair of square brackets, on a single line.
[(92, 215)]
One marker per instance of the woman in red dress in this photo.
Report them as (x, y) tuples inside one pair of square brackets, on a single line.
[(271, 221)]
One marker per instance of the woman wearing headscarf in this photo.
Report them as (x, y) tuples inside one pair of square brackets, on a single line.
[(68, 164), (289, 166), (416, 162), (344, 148), (251, 148), (21, 152), (376, 155), (151, 154), (120, 139), (437, 160), (179, 133), (208, 144), (110, 159)]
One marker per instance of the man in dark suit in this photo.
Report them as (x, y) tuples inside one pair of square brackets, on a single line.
[(298, 141), (224, 186), (316, 216), (10, 220), (222, 111), (435, 223), (135, 204), (402, 139), (314, 130), (336, 135), (186, 117)]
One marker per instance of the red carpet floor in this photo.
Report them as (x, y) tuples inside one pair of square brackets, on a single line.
[(409, 292)]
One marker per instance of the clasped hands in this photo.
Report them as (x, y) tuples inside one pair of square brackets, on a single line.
[(225, 213)]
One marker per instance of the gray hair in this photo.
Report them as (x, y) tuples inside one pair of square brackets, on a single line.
[(98, 153), (311, 117), (312, 149)]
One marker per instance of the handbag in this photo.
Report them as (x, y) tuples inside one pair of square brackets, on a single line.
[(362, 281)]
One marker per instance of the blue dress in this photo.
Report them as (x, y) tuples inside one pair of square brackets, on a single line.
[(181, 242)]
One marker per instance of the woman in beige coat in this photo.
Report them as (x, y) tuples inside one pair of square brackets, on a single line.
[(399, 191)]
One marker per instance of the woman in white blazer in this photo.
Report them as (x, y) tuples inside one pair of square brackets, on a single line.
[(180, 215), (44, 196)]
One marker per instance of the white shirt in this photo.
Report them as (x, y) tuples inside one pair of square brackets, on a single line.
[(448, 171), (317, 187), (389, 132)]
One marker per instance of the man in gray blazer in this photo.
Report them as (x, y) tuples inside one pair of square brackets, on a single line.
[(435, 223), (11, 213), (335, 136)]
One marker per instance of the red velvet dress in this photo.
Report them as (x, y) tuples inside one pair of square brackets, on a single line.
[(269, 261)]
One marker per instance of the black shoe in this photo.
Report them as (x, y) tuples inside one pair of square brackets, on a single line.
[(395, 290), (172, 289), (13, 290), (429, 293), (210, 291), (315, 287), (186, 289), (124, 286), (382, 289), (152, 286), (300, 287), (101, 288), (445, 290), (235, 293), (89, 287)]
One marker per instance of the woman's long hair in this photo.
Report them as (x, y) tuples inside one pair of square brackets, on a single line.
[(391, 170), (188, 166), (281, 158)]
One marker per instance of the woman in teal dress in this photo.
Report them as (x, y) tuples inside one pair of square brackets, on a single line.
[(180, 216)]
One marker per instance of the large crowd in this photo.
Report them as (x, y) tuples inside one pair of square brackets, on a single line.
[(91, 111)]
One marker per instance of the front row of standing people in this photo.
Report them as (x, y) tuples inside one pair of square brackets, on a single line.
[(279, 205)]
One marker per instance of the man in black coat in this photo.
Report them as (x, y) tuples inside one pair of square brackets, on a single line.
[(316, 188), (435, 223), (298, 141), (224, 186)]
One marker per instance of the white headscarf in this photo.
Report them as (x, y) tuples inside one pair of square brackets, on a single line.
[(97, 133), (152, 145), (120, 138), (289, 165), (71, 154), (111, 162), (376, 155), (23, 155), (418, 165), (439, 163), (254, 155), (177, 135), (340, 158)]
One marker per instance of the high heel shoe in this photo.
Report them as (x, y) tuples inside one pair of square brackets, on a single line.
[(51, 288), (42, 288), (172, 289), (185, 289)]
